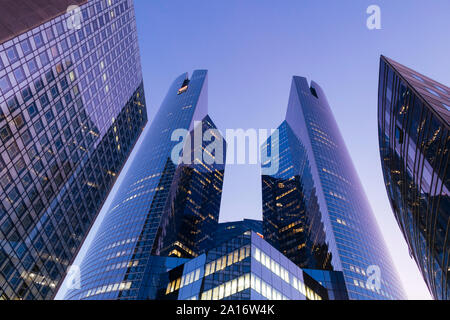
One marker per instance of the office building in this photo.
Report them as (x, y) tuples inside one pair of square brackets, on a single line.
[(314, 207), (164, 206), (72, 107), (413, 120), (245, 267)]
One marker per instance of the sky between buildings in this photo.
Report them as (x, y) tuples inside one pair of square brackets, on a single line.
[(252, 48)]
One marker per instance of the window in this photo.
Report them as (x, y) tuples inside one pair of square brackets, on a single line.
[(64, 45), (59, 107), (73, 40), (55, 52), (5, 133), (5, 84), (26, 137), (12, 55), (38, 84), (59, 28), (32, 110), (26, 94), (19, 74), (44, 100), (44, 58), (64, 83), (440, 89), (54, 91), (18, 121), (49, 76), (433, 92), (49, 116), (50, 34), (32, 66), (26, 47), (446, 106), (13, 150), (12, 104), (38, 40), (417, 77)]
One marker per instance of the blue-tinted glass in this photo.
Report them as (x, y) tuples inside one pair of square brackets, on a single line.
[(39, 42), (59, 203), (32, 66), (26, 47), (19, 74), (32, 110), (12, 55), (5, 84), (320, 207), (44, 58), (416, 185)]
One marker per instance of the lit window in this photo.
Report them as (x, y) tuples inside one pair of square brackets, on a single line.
[(197, 274), (227, 289), (241, 283), (221, 291), (183, 89), (234, 286)]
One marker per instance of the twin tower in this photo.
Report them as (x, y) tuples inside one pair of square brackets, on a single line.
[(315, 213)]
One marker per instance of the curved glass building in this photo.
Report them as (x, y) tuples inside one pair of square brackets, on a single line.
[(413, 120), (162, 208), (314, 208)]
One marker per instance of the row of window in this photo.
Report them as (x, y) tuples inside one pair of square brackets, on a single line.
[(227, 260), (228, 288), (185, 280), (281, 272), (120, 286)]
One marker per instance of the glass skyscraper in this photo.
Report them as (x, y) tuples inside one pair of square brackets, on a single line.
[(314, 208), (227, 230), (291, 217), (71, 109), (413, 120), (161, 208)]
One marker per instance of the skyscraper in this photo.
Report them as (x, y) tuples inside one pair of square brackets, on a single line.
[(72, 107), (291, 217), (413, 120), (162, 207), (314, 207)]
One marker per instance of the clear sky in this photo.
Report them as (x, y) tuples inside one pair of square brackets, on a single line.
[(252, 48)]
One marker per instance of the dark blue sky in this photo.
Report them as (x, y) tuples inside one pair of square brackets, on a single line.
[(252, 48)]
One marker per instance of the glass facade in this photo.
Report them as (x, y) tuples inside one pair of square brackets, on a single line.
[(244, 268), (317, 181), (291, 217), (191, 219), (414, 140), (72, 107), (227, 230), (157, 200)]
